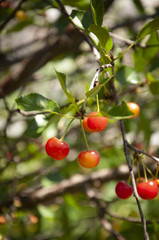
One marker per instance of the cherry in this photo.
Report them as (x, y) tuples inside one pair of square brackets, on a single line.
[(147, 190), (2, 220), (57, 149), (4, 4), (85, 125), (88, 159), (20, 15), (134, 108), (123, 190), (96, 123)]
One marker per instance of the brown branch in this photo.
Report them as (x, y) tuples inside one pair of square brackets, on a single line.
[(129, 219), (102, 210), (127, 156), (11, 15), (74, 184), (156, 159), (68, 41), (85, 37)]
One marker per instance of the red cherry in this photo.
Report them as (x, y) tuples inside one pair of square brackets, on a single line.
[(147, 190), (134, 108), (4, 4), (88, 159), (123, 190), (85, 125), (97, 124), (57, 149)]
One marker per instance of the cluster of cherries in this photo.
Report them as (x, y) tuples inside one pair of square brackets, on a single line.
[(58, 150), (146, 189)]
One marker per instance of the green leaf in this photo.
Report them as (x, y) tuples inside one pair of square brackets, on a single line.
[(81, 19), (71, 201), (62, 79), (36, 102), (120, 112), (95, 90), (143, 56), (139, 5), (34, 130), (102, 33), (97, 7), (45, 212), (154, 87), (127, 74), (149, 28)]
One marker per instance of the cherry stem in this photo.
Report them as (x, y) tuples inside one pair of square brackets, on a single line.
[(156, 175), (145, 175), (149, 171), (97, 99), (61, 139), (138, 169), (84, 135)]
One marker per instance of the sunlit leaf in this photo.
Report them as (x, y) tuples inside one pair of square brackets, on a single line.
[(97, 7), (37, 102), (102, 35), (149, 28), (81, 19), (62, 80), (120, 112)]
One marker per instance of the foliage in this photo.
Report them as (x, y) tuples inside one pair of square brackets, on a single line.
[(52, 102)]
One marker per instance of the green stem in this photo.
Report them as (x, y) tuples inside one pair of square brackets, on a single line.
[(84, 135), (157, 171), (149, 171), (145, 175), (138, 169), (97, 99), (125, 51), (61, 115), (61, 139)]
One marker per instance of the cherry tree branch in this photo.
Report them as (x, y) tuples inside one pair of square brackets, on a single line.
[(101, 212), (85, 37), (74, 184), (127, 156), (156, 159)]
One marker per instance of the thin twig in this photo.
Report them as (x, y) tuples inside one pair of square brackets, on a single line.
[(86, 38), (156, 159), (129, 219), (127, 156)]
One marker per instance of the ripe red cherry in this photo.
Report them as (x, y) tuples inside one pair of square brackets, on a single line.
[(96, 123), (134, 108), (57, 149), (147, 190), (123, 190), (85, 125), (88, 159)]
